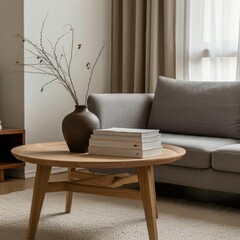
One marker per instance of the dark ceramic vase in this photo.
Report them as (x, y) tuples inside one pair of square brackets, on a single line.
[(77, 127)]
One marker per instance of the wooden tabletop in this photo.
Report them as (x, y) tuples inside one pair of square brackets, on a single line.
[(57, 154)]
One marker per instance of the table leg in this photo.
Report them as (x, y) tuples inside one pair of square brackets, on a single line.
[(69, 195), (146, 182), (154, 192), (40, 187)]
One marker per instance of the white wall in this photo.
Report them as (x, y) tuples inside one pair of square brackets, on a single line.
[(91, 20), (11, 50)]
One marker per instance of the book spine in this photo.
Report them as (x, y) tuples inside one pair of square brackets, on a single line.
[(112, 152), (127, 134), (124, 144), (104, 137)]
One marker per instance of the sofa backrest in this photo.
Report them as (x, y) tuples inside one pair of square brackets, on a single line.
[(196, 108), (121, 110)]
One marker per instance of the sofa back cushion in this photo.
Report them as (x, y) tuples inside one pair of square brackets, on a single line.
[(121, 110), (196, 108)]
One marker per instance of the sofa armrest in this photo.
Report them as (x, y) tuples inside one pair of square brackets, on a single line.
[(121, 110)]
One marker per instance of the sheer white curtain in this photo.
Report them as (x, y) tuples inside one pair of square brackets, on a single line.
[(182, 36), (207, 40), (238, 59)]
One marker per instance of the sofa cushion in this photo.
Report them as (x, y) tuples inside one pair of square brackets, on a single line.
[(196, 108), (121, 110), (198, 148), (227, 158)]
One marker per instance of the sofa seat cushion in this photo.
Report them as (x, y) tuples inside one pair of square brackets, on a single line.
[(196, 108), (227, 158), (198, 148)]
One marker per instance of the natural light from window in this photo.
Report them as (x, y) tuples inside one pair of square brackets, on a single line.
[(214, 39)]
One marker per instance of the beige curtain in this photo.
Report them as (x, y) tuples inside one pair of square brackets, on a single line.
[(143, 47)]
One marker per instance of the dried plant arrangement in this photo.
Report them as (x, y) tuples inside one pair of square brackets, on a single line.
[(56, 63)]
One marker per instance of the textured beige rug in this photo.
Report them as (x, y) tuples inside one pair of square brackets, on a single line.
[(104, 218)]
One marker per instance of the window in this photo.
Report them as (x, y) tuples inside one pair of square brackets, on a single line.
[(210, 44)]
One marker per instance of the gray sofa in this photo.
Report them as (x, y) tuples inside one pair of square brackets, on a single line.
[(202, 117)]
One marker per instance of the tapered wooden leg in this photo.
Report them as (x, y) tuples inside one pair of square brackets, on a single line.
[(146, 182), (69, 195), (40, 187), (154, 192)]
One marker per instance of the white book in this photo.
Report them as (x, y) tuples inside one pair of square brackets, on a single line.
[(125, 138), (132, 132), (124, 152), (125, 144)]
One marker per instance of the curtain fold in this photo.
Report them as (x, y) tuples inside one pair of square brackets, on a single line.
[(238, 57), (182, 39), (143, 45), (169, 38)]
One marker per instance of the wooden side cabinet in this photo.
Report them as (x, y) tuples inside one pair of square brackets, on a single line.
[(10, 138)]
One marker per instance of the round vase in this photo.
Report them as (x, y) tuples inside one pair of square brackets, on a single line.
[(77, 127)]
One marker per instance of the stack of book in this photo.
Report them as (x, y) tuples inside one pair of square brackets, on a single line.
[(125, 142)]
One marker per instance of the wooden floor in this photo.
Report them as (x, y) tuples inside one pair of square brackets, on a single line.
[(14, 185)]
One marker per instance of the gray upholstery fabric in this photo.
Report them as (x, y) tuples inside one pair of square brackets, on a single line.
[(188, 114), (121, 110), (209, 179), (199, 148), (227, 158), (196, 108)]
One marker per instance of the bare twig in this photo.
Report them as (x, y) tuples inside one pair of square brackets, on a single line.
[(53, 80), (91, 73), (50, 63)]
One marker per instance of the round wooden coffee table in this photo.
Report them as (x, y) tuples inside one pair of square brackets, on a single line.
[(47, 155)]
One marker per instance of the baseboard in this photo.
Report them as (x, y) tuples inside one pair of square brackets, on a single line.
[(31, 173)]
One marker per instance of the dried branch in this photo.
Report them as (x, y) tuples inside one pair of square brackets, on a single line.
[(53, 80), (91, 73), (50, 63), (41, 32)]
